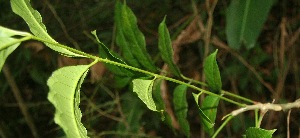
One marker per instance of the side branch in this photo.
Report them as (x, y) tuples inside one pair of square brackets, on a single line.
[(267, 106)]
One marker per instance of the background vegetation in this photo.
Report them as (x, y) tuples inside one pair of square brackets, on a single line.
[(269, 70)]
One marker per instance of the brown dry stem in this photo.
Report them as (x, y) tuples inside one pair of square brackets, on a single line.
[(16, 91)]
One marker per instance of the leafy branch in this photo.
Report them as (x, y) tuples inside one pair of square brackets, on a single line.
[(65, 83), (157, 76)]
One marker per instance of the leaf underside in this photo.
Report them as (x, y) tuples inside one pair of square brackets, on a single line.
[(64, 85), (143, 88), (8, 44)]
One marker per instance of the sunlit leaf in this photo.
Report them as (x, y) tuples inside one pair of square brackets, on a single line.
[(130, 39), (64, 85), (34, 21), (181, 108), (143, 88), (254, 132), (245, 19), (165, 47), (212, 73), (8, 44)]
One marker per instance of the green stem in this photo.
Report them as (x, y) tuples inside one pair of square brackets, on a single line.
[(256, 118), (237, 96), (17, 41), (169, 79), (193, 81), (222, 126), (139, 70), (259, 120), (66, 47)]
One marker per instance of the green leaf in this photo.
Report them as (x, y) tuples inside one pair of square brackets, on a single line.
[(34, 21), (254, 132), (209, 107), (205, 121), (64, 85), (120, 38), (212, 73), (143, 88), (8, 44), (245, 19), (107, 54), (130, 38), (165, 47), (121, 81), (160, 104), (181, 108)]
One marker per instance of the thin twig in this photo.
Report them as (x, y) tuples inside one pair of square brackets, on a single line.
[(237, 96), (222, 126), (282, 66), (207, 39), (209, 24), (22, 105), (294, 38), (262, 114), (119, 108), (296, 72), (101, 112), (2, 134), (283, 35), (288, 124), (62, 25)]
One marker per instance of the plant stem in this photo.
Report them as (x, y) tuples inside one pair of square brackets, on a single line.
[(66, 47), (138, 70), (194, 81), (169, 79), (256, 118), (237, 96), (222, 126)]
